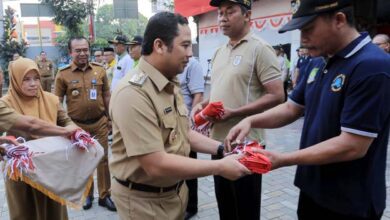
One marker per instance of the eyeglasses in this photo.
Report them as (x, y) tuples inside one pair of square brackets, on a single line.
[(78, 51)]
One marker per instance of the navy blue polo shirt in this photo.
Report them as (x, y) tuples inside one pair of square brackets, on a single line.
[(302, 63), (348, 92)]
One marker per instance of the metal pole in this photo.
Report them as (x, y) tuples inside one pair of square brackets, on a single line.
[(39, 33)]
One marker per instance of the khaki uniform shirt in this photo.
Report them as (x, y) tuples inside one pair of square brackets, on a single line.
[(8, 117), (149, 115), (45, 68), (77, 86), (237, 77)]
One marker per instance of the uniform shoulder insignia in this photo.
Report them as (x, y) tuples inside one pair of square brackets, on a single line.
[(138, 79), (64, 67), (97, 64)]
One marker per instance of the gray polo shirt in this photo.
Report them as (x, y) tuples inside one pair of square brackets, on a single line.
[(191, 81)]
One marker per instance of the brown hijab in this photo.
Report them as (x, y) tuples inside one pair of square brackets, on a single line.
[(43, 106)]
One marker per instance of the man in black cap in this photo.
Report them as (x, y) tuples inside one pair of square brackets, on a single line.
[(345, 99), (124, 62), (247, 67), (135, 49)]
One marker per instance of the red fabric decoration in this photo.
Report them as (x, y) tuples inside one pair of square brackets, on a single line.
[(255, 162)]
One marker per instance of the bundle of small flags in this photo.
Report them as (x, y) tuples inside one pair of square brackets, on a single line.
[(255, 162), (212, 110), (81, 139), (19, 160)]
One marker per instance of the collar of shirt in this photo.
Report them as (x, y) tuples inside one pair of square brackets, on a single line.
[(158, 79), (122, 55), (246, 38), (135, 64), (112, 63), (354, 46), (74, 67)]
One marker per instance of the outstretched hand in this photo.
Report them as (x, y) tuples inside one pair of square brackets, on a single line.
[(237, 134)]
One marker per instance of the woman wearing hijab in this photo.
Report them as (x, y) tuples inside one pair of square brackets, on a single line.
[(27, 97)]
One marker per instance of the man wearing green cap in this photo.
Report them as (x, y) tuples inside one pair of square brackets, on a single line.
[(246, 67), (344, 98)]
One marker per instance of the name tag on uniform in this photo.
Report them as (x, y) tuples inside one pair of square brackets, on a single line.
[(92, 94)]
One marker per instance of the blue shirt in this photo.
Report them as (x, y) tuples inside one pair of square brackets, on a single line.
[(191, 81), (349, 92)]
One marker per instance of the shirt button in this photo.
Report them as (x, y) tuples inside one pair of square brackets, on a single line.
[(325, 71)]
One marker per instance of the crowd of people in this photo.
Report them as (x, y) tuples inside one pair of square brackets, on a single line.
[(147, 91)]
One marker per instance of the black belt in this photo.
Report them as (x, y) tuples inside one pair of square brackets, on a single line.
[(148, 188), (89, 121)]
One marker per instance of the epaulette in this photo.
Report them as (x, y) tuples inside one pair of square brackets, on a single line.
[(97, 64), (64, 67), (138, 79)]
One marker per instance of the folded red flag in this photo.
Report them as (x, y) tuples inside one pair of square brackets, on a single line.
[(212, 110), (255, 162)]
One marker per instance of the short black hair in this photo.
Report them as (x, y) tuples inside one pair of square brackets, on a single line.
[(76, 38), (349, 15), (163, 25)]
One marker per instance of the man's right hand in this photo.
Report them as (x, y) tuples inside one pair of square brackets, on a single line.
[(230, 168), (197, 108), (237, 133)]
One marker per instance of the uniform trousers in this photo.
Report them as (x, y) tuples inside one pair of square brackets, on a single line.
[(308, 209), (192, 185), (46, 82), (99, 130), (136, 205), (240, 199), (27, 203)]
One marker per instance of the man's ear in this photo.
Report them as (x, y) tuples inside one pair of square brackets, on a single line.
[(248, 15), (158, 46)]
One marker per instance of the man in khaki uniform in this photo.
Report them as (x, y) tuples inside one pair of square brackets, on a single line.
[(46, 68), (248, 68), (151, 135), (87, 92), (16, 123)]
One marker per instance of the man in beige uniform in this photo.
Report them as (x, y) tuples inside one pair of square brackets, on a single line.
[(46, 68), (246, 67), (87, 92), (151, 135)]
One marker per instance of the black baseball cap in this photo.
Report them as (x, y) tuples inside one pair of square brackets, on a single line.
[(119, 39), (305, 11), (137, 40), (246, 3)]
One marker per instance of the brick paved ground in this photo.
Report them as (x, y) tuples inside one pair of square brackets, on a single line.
[(279, 196)]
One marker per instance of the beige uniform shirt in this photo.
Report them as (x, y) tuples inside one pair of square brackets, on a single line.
[(148, 115), (237, 77), (8, 117), (45, 68), (77, 84)]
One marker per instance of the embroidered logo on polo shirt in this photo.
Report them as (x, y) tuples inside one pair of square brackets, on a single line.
[(338, 83), (312, 75), (295, 6), (237, 60)]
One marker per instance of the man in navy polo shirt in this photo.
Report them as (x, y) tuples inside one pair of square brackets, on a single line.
[(345, 100)]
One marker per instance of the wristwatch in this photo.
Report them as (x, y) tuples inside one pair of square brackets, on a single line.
[(221, 149)]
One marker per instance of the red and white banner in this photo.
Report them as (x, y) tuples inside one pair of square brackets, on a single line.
[(274, 22)]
